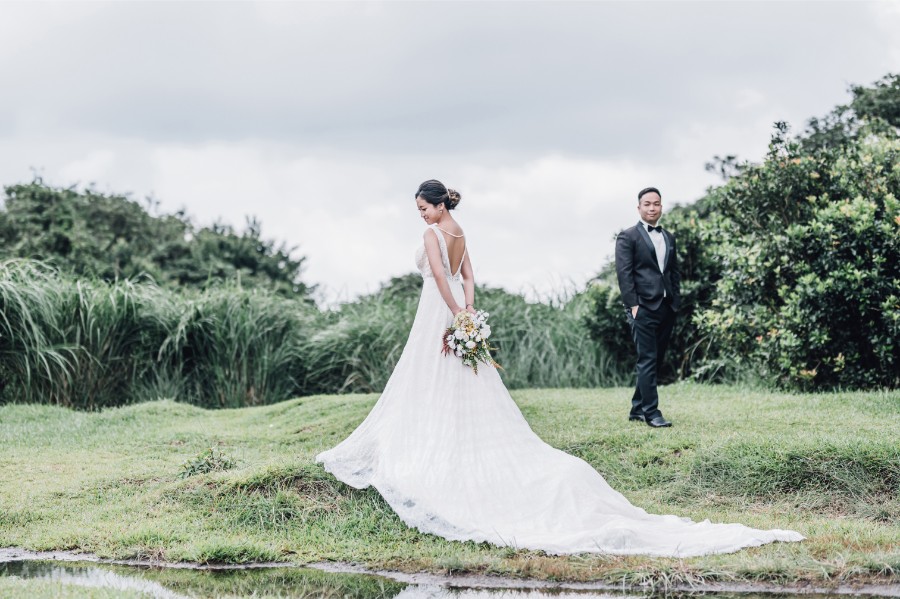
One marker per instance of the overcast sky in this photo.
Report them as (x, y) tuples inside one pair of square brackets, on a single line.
[(321, 119)]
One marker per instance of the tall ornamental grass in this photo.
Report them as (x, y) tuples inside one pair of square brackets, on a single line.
[(91, 344), (547, 344), (356, 346), (117, 330), (230, 347), (538, 344), (32, 367)]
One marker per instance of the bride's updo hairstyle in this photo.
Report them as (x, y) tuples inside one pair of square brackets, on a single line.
[(436, 193)]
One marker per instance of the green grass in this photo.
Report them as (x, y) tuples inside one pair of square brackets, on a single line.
[(113, 483)]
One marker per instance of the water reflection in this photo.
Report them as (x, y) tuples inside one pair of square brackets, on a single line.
[(439, 592), (281, 582), (88, 576), (176, 583)]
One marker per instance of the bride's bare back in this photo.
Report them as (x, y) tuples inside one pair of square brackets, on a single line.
[(455, 241)]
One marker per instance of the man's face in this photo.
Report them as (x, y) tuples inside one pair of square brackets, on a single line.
[(650, 207)]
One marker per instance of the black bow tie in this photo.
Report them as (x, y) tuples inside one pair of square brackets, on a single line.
[(651, 228)]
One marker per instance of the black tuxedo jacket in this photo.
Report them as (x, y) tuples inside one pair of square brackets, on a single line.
[(640, 281)]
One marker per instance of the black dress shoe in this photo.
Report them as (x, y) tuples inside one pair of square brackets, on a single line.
[(638, 418), (659, 422)]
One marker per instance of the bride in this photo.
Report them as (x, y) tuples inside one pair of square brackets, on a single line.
[(451, 453)]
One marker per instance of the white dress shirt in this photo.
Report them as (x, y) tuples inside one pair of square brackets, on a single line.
[(659, 242)]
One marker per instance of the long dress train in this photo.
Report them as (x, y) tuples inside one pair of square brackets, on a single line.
[(452, 454)]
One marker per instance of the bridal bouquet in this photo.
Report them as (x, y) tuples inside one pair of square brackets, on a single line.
[(467, 338)]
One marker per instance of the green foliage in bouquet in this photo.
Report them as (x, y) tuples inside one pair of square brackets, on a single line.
[(467, 338)]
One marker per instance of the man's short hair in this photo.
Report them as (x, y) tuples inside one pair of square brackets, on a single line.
[(648, 190)]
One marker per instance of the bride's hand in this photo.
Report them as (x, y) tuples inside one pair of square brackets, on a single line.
[(457, 310), (471, 309)]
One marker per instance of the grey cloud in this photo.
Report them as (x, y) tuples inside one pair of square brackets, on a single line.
[(582, 78)]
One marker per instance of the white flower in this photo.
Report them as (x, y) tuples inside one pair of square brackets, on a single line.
[(459, 353), (477, 337), (449, 337), (486, 332), (470, 344), (452, 344), (460, 334)]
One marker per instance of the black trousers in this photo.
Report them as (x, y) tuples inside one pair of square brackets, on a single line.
[(651, 331)]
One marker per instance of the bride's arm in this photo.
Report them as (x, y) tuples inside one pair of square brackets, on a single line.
[(433, 251), (468, 277)]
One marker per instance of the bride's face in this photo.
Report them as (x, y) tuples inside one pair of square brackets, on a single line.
[(429, 212)]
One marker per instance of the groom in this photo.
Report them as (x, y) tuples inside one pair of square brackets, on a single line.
[(649, 281)]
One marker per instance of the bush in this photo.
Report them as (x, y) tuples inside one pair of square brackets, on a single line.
[(33, 366), (92, 344), (112, 237), (810, 290)]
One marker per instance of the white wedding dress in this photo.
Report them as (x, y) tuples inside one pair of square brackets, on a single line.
[(451, 453)]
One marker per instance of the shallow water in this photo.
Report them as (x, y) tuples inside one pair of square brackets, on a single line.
[(287, 582)]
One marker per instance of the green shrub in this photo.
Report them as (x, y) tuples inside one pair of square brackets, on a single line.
[(91, 344), (539, 344), (546, 344), (112, 237), (118, 329), (810, 290)]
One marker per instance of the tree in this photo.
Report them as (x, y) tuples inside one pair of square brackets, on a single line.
[(809, 294), (111, 237)]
